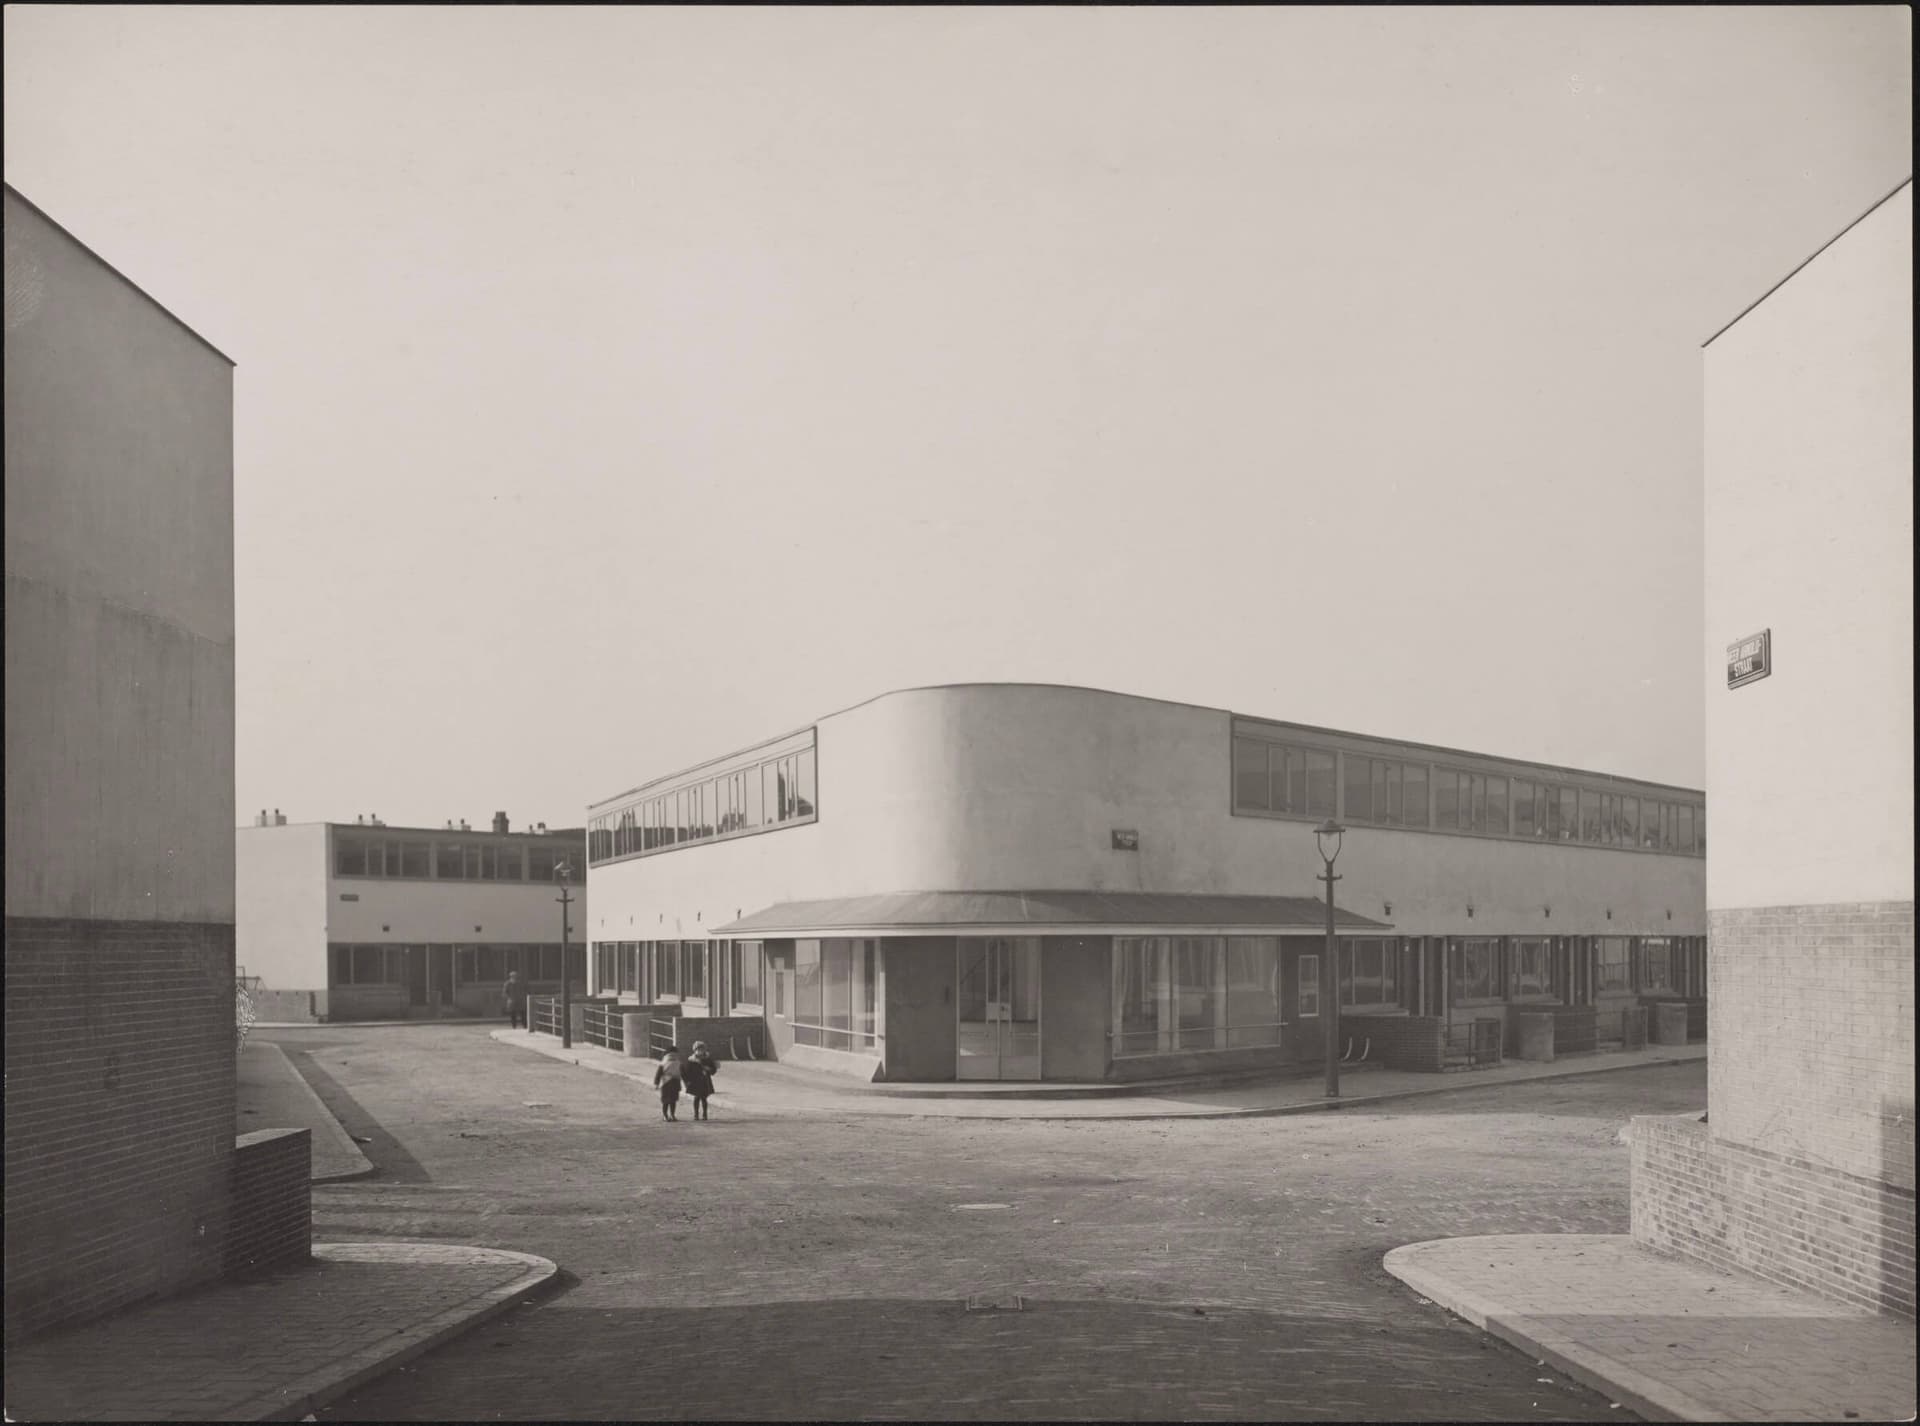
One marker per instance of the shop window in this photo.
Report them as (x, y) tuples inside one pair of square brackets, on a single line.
[(808, 999), (1476, 969), (694, 985), (747, 974), (1656, 964), (1532, 961), (1199, 991), (1309, 986), (1369, 972), (1140, 980), (1612, 964), (1253, 990)]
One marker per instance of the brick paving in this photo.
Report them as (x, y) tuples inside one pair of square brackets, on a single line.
[(781, 1265), (272, 1346), (1671, 1338)]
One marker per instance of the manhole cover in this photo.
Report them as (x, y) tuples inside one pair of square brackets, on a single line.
[(994, 1302)]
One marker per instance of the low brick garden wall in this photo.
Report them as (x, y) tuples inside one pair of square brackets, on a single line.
[(272, 1215), (1408, 1042)]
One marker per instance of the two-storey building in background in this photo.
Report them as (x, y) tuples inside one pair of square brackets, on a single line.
[(362, 921), (1038, 882)]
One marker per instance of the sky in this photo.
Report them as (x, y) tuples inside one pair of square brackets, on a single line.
[(618, 387)]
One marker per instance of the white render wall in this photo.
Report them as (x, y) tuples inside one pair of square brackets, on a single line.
[(1809, 520), (1005, 787), (280, 881), (415, 912), (119, 595)]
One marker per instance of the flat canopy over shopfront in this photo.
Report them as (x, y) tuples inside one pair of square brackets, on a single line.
[(1027, 913)]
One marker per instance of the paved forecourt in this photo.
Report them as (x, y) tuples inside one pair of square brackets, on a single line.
[(1669, 1339)]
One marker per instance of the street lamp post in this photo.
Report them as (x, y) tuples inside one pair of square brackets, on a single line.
[(565, 872), (1330, 978)]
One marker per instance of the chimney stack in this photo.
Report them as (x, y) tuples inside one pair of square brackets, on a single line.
[(279, 818), (499, 821), (261, 820)]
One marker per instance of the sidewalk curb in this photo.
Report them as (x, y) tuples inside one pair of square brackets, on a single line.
[(1645, 1397), (325, 1117), (522, 1040), (306, 1395)]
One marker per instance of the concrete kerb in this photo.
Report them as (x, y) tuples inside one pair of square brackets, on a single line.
[(1639, 1393), (633, 1069), (328, 1125), (306, 1395)]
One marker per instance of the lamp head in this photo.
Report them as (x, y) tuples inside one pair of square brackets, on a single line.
[(1326, 829)]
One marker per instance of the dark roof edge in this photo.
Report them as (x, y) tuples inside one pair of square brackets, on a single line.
[(1877, 205), (155, 302)]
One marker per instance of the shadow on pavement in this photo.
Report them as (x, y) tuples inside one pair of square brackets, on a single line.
[(854, 1359), (390, 1160)]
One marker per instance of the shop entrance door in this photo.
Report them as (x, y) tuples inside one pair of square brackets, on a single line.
[(999, 1008)]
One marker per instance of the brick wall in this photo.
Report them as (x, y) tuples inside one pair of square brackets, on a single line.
[(119, 1113), (1410, 1042), (282, 1005), (272, 1217), (1788, 1221), (1810, 1012)]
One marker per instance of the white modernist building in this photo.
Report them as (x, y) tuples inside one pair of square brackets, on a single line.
[(1030, 881), (1804, 1171), (361, 921)]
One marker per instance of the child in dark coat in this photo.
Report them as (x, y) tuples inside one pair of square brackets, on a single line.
[(698, 1072), (666, 1078)]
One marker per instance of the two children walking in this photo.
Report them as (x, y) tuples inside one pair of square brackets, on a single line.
[(694, 1073)]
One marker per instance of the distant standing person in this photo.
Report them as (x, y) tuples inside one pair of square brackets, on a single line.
[(666, 1078), (514, 992), (698, 1073)]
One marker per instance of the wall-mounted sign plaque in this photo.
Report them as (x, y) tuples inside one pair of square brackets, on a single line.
[(1125, 840), (1750, 659)]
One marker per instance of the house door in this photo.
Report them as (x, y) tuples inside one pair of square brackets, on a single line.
[(440, 972), (999, 1008), (417, 976)]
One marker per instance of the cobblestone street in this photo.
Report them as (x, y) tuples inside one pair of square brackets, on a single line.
[(820, 1268)]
